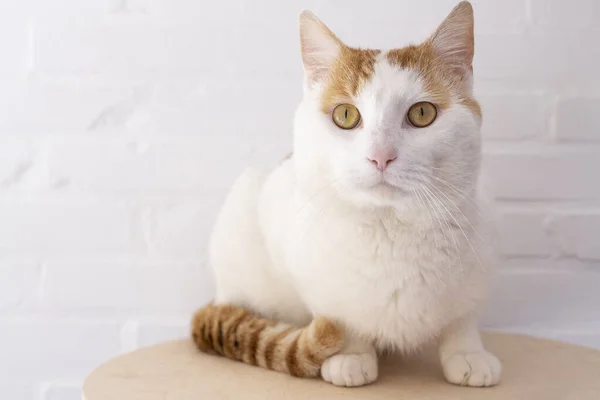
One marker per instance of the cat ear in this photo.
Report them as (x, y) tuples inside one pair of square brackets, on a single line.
[(319, 47), (453, 40)]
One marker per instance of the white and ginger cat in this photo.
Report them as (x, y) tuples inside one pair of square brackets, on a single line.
[(372, 223)]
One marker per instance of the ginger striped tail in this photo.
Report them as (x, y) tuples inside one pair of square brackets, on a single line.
[(236, 333)]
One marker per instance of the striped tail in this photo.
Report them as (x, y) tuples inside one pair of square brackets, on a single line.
[(236, 333)]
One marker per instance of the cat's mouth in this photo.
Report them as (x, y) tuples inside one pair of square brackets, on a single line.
[(386, 185)]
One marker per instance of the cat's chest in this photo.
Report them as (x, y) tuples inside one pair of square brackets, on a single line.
[(376, 275), (378, 248)]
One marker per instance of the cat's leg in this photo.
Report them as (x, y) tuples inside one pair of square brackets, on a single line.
[(355, 365), (464, 359)]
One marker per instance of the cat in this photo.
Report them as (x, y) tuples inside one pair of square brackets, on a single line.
[(373, 222)]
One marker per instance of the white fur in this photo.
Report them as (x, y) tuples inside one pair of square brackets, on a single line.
[(397, 264)]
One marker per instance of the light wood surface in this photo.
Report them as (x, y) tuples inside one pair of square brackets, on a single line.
[(534, 369)]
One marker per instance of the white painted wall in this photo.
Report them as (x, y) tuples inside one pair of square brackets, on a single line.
[(123, 122)]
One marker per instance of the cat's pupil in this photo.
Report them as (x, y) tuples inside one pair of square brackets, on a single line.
[(346, 114), (422, 112)]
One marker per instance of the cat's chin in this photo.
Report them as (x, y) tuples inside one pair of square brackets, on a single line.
[(382, 194), (386, 186)]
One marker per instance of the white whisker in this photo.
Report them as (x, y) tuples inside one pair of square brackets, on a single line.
[(461, 213), (457, 224), (439, 211)]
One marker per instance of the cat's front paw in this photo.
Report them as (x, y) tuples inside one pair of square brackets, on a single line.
[(472, 369), (350, 369)]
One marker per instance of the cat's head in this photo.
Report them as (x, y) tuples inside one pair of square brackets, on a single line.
[(385, 127)]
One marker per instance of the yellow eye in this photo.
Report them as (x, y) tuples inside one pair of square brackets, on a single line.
[(346, 116), (422, 114)]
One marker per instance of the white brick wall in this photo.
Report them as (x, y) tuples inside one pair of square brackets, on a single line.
[(118, 143)]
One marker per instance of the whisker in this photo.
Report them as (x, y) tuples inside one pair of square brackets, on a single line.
[(461, 213), (436, 271), (461, 194), (449, 229), (459, 226)]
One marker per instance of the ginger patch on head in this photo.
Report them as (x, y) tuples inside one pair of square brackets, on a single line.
[(423, 60), (439, 81), (352, 69)]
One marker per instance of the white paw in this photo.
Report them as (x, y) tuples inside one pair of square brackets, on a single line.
[(472, 369), (350, 369)]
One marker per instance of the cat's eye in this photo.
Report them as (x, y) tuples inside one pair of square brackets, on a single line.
[(346, 116), (422, 114)]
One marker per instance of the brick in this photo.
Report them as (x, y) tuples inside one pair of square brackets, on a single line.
[(551, 174), (532, 61), (177, 9), (16, 160), (17, 391), (278, 33), (516, 116), (226, 12), (60, 391), (244, 61), (30, 348), (154, 288), (129, 336), (524, 234), (561, 15), (130, 49), (19, 282), (97, 164), (59, 9), (63, 106), (216, 109), (166, 45), (236, 110), (544, 299), (150, 333), (183, 230), (555, 262), (498, 16), (578, 120), (64, 227), (577, 235), (14, 42)]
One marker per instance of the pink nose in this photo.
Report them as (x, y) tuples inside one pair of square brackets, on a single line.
[(381, 158)]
